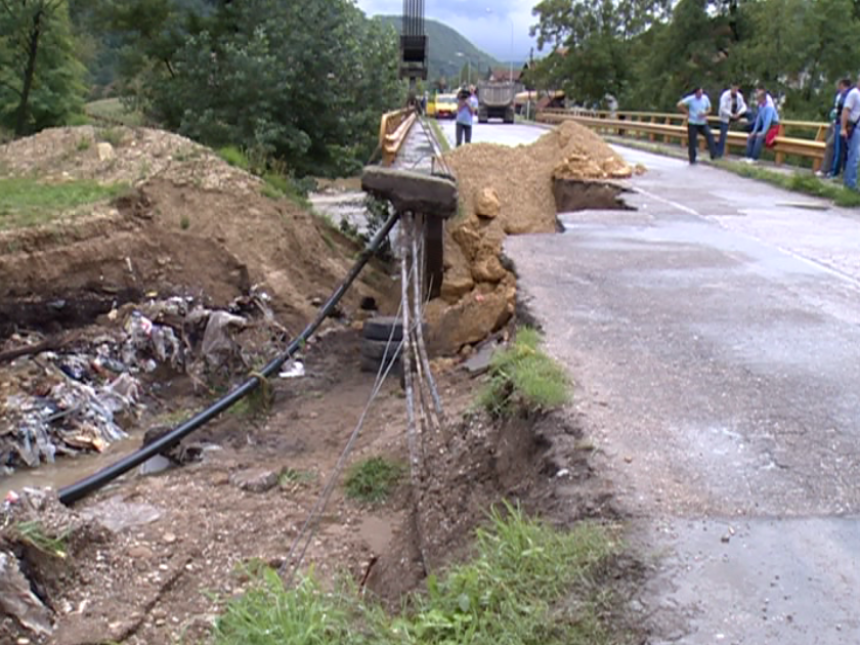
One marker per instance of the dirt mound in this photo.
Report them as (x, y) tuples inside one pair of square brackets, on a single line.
[(506, 191), (189, 224)]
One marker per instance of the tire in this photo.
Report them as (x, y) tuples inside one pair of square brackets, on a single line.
[(376, 349), (379, 328)]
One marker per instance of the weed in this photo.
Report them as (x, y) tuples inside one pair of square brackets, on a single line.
[(235, 157), (440, 135), (113, 136), (83, 144), (184, 222), (523, 379), (528, 583), (292, 476), (25, 201), (34, 534), (373, 479)]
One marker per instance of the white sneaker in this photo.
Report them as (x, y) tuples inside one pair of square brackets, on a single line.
[(748, 160)]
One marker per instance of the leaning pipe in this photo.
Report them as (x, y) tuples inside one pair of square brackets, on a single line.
[(74, 492)]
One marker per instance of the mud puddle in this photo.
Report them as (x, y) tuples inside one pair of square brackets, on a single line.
[(69, 469)]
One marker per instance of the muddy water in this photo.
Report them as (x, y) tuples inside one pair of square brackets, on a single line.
[(67, 470)]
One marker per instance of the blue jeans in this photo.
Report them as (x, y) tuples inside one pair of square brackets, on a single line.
[(724, 133), (754, 145), (693, 130), (838, 150), (850, 174)]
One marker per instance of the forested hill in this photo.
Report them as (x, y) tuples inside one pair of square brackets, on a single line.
[(444, 43)]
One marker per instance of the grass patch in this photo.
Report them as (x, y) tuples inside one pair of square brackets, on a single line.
[(373, 479), (799, 182), (523, 379), (114, 136), (289, 476), (34, 534), (235, 157), (184, 222), (83, 144), (444, 144), (113, 110), (527, 583), (25, 201)]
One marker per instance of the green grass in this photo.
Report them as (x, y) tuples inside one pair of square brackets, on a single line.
[(25, 201), (373, 479), (235, 157), (34, 534), (440, 135), (527, 583), (277, 185), (113, 110), (523, 379), (800, 181)]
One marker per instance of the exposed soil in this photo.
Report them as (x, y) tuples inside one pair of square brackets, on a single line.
[(504, 191), (190, 224), (190, 533)]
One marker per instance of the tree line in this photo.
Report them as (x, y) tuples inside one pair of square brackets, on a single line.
[(649, 53), (301, 81)]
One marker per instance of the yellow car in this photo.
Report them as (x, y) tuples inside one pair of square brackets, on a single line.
[(446, 106)]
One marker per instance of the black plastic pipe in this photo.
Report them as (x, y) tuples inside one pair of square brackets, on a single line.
[(72, 493)]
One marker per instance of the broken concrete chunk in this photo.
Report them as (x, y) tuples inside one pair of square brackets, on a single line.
[(105, 151), (411, 191), (255, 481), (18, 601)]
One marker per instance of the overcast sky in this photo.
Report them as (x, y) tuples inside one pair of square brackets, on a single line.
[(490, 31)]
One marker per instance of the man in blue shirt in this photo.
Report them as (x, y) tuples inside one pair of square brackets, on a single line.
[(850, 134), (466, 109), (766, 121), (697, 106)]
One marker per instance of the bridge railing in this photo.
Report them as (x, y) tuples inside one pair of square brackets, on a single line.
[(800, 139), (393, 129)]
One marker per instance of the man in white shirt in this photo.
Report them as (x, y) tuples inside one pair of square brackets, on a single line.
[(732, 107), (851, 136)]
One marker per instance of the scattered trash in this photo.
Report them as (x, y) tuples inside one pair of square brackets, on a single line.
[(293, 369), (82, 394), (18, 600)]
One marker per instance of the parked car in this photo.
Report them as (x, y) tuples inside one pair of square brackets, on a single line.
[(446, 106)]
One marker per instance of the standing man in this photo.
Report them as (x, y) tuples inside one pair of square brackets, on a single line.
[(465, 111), (850, 136), (766, 123), (697, 106), (732, 107)]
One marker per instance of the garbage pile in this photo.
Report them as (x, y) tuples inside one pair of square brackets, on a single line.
[(89, 391)]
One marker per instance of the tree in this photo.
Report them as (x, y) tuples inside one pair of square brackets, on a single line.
[(41, 79), (592, 39), (304, 82)]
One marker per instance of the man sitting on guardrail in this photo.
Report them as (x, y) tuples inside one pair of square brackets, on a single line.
[(850, 136), (764, 129), (697, 106), (732, 108)]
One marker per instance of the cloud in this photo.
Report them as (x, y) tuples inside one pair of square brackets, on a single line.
[(490, 31)]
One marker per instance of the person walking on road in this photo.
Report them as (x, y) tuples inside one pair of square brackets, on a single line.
[(764, 129), (732, 108), (697, 106), (465, 112), (850, 137)]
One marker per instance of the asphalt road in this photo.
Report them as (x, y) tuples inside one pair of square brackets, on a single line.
[(510, 134), (714, 334)]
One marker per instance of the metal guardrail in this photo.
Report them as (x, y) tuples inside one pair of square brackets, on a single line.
[(671, 127), (393, 129)]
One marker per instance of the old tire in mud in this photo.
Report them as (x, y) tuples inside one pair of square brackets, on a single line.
[(377, 349), (380, 328)]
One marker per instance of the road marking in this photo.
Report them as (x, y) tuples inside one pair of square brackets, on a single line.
[(668, 202)]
